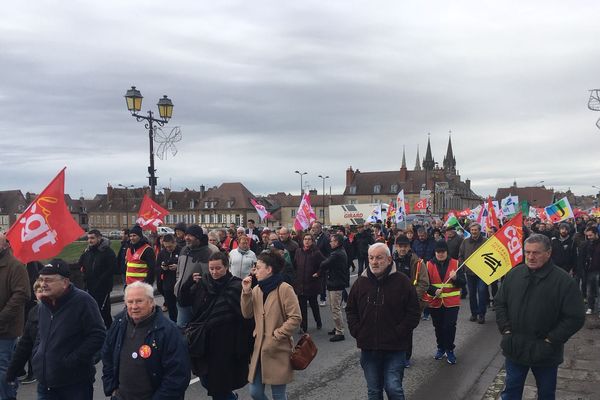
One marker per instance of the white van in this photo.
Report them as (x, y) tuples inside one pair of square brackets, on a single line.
[(163, 230)]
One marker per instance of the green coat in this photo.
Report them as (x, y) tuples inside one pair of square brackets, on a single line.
[(533, 306)]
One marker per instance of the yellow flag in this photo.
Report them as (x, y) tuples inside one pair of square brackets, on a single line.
[(499, 253)]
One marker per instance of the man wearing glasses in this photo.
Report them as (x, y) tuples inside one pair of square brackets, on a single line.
[(382, 312), (71, 333)]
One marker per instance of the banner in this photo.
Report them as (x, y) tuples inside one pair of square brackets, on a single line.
[(305, 214), (401, 207), (375, 214), (492, 219), (499, 253), (151, 215), (261, 210), (510, 205), (46, 226), (559, 211), (421, 204)]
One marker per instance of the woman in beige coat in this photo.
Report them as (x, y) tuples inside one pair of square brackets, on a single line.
[(276, 312)]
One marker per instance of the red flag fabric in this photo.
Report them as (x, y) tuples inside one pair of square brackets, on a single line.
[(151, 215), (46, 226), (305, 214), (421, 204), (492, 220), (261, 210)]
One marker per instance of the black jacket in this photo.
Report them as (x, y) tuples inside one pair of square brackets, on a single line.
[(362, 241), (98, 264), (533, 306), (335, 268), (168, 364), (563, 253), (24, 346), (70, 336), (165, 279)]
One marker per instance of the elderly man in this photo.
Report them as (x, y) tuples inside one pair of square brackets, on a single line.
[(70, 334), (145, 356), (538, 308), (290, 245), (382, 312), (13, 296)]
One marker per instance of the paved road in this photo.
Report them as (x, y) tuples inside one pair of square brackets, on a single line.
[(336, 372)]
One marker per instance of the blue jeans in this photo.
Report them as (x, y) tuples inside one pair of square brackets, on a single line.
[(257, 388), (478, 295), (545, 379), (592, 288), (78, 391), (184, 316), (222, 396), (384, 370), (7, 347)]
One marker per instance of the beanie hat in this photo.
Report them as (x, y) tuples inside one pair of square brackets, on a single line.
[(136, 230), (441, 245), (402, 239), (194, 230), (181, 227), (278, 245)]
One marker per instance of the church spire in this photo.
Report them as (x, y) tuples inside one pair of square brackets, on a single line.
[(403, 166), (428, 162), (418, 163), (449, 160)]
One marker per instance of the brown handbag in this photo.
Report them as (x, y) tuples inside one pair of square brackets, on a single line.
[(304, 351)]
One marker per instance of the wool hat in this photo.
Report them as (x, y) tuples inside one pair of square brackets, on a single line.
[(441, 245), (402, 239), (56, 267), (278, 245), (181, 227), (136, 230), (195, 230)]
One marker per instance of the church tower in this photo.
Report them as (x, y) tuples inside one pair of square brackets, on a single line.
[(449, 160), (428, 162)]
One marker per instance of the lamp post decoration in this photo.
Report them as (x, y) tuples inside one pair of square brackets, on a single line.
[(323, 194), (133, 97)]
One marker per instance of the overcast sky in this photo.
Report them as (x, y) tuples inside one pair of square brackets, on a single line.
[(264, 88)]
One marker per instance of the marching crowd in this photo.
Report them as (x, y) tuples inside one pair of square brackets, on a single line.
[(234, 299)]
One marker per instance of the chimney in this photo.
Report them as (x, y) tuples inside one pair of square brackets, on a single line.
[(109, 193), (202, 190), (313, 192), (349, 176), (167, 194), (468, 182)]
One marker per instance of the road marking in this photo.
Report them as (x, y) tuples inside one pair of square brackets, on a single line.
[(195, 380), (353, 275)]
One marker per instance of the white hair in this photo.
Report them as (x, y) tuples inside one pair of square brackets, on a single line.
[(148, 289), (378, 245)]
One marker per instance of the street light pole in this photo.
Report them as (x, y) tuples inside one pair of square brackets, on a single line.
[(126, 202), (301, 174), (323, 193), (134, 98), (540, 182)]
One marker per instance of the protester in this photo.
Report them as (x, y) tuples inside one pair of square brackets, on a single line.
[(362, 240), (274, 307), (592, 268), (382, 312), (423, 246), (290, 245), (538, 308), (477, 288), (144, 356), (308, 284), (242, 259), (121, 260), (288, 273), (335, 270), (98, 264), (70, 334), (443, 296), (563, 249), (13, 297), (180, 230), (140, 258), (221, 355), (167, 273)]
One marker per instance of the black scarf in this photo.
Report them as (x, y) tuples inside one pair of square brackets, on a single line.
[(378, 279), (270, 284)]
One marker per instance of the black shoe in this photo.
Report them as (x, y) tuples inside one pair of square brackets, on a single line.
[(481, 319), (331, 332), (473, 318), (319, 325), (337, 338)]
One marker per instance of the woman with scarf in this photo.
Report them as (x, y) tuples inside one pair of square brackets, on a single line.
[(276, 313), (242, 259), (220, 346), (307, 284)]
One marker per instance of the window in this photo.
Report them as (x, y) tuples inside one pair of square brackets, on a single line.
[(170, 204), (293, 213), (377, 189), (352, 201), (213, 218), (107, 219), (352, 189), (321, 213), (230, 204), (205, 218), (394, 188), (192, 203)]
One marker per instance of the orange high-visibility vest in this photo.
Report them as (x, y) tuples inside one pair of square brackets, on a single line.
[(450, 296), (137, 269)]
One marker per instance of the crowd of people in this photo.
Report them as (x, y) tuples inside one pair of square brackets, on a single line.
[(234, 298)]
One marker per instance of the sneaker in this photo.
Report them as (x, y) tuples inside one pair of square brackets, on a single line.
[(337, 338), (331, 332), (425, 318), (407, 364), (344, 305), (588, 311), (481, 319), (473, 318), (322, 303), (28, 379), (451, 357), (439, 354)]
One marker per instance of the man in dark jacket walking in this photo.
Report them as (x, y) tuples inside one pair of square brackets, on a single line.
[(70, 334), (563, 249), (382, 312), (538, 308), (335, 269), (166, 273), (144, 356), (478, 290), (362, 240), (98, 264)]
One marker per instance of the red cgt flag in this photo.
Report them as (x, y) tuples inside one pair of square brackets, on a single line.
[(46, 226), (151, 215), (421, 204)]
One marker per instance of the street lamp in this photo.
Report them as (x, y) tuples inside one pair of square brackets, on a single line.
[(323, 178), (540, 182), (301, 174), (127, 187), (133, 97)]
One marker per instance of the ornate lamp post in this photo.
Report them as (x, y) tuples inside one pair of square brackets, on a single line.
[(323, 193), (134, 98), (301, 174)]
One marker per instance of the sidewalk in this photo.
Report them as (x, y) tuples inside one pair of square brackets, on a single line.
[(578, 376)]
